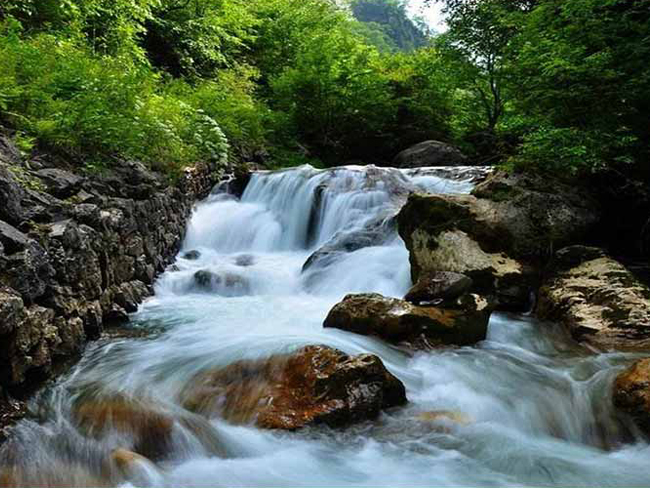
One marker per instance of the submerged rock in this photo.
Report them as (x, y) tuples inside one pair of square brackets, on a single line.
[(192, 255), (245, 260), (597, 299), (632, 393), (398, 321), (227, 284), (373, 234), (438, 286), (430, 153), (150, 430), (315, 385)]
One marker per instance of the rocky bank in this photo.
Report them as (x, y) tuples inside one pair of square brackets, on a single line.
[(78, 252)]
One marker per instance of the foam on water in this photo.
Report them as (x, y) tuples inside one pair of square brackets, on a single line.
[(537, 408)]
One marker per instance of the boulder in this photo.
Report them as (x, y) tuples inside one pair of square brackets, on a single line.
[(600, 302), (398, 321), (438, 286), (60, 183), (632, 393), (149, 429), (11, 196), (430, 153), (315, 385), (498, 235), (12, 239)]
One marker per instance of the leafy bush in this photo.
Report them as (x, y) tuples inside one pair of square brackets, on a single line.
[(98, 107)]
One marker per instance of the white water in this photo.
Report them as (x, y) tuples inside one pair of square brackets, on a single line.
[(539, 407)]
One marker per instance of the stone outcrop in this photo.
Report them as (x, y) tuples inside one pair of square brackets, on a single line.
[(80, 252), (315, 385), (632, 393), (400, 322), (597, 299), (430, 153), (496, 235)]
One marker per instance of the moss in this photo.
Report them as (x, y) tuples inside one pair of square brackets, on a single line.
[(25, 178)]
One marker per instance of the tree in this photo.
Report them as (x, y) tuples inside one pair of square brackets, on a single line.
[(476, 43)]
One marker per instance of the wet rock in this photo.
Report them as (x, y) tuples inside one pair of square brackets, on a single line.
[(315, 385), (632, 393), (149, 429), (192, 255), (129, 463), (373, 234), (438, 286), (60, 183), (430, 153), (600, 302), (245, 260), (400, 322), (227, 284)]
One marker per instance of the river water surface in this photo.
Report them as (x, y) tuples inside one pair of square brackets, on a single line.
[(535, 407)]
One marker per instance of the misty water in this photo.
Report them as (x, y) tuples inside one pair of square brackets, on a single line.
[(536, 408)]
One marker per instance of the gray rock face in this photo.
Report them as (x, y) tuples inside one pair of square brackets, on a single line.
[(72, 268), (60, 183), (430, 153), (12, 239)]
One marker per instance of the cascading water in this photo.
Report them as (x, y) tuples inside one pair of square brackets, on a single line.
[(534, 408)]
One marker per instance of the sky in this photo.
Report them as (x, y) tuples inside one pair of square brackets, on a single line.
[(432, 14)]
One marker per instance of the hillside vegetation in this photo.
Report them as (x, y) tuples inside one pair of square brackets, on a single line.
[(543, 85)]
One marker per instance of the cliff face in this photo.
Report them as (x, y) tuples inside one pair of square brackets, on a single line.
[(78, 253)]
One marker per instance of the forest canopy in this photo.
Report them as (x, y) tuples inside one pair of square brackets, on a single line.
[(535, 85)]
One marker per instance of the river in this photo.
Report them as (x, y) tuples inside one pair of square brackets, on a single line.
[(535, 407)]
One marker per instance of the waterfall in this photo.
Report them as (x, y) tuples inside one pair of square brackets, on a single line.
[(256, 276)]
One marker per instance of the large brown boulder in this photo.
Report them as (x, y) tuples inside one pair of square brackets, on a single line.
[(496, 235), (400, 322), (430, 153), (632, 393), (597, 299), (315, 385)]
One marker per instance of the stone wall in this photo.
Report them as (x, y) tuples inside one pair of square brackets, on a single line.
[(78, 253)]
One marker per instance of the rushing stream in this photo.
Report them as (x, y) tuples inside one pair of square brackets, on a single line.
[(535, 408)]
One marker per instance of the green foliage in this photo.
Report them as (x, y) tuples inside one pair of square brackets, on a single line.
[(584, 66), (94, 107)]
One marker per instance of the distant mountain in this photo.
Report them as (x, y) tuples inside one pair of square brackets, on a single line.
[(388, 24)]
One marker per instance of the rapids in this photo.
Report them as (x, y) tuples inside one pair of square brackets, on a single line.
[(537, 406)]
